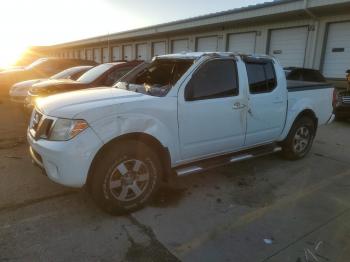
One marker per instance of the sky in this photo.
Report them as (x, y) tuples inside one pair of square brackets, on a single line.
[(27, 23)]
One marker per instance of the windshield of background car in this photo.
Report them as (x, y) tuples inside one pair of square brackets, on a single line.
[(156, 78), (36, 63), (94, 73), (70, 73)]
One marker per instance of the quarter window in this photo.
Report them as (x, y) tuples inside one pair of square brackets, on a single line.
[(261, 76), (215, 79)]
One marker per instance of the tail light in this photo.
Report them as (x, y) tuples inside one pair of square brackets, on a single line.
[(336, 98)]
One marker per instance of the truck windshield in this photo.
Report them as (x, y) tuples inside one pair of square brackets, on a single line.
[(156, 78)]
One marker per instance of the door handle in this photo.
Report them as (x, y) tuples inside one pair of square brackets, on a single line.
[(278, 102), (238, 105)]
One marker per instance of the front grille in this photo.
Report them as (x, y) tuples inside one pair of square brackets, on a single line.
[(36, 119), (40, 125), (346, 99)]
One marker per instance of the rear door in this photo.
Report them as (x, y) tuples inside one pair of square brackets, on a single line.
[(210, 118), (267, 105)]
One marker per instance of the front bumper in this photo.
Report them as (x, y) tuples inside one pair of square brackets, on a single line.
[(66, 162)]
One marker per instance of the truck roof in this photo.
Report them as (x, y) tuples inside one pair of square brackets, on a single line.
[(197, 55)]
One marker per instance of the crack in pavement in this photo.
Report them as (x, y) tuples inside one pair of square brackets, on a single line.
[(35, 201), (307, 234), (331, 158), (154, 251)]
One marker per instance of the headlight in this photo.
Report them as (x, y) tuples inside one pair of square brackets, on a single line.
[(66, 129)]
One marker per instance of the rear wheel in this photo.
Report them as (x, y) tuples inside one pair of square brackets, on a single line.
[(125, 177), (300, 139)]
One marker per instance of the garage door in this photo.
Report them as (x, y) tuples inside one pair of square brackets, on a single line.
[(105, 55), (82, 54), (179, 46), (89, 55), (289, 45), (242, 43), (141, 50), (207, 44), (76, 54), (159, 48), (127, 52), (337, 54), (97, 55), (116, 54)]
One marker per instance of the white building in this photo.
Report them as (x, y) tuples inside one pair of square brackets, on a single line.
[(303, 33)]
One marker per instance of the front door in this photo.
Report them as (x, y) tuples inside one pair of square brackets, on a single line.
[(212, 118)]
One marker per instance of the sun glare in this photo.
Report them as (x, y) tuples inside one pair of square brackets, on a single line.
[(12, 54), (34, 23)]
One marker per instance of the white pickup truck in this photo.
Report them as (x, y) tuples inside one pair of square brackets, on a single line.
[(179, 114)]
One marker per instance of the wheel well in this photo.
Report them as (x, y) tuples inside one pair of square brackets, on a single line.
[(308, 113), (149, 140)]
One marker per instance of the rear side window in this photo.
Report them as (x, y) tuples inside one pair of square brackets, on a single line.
[(261, 76), (215, 79)]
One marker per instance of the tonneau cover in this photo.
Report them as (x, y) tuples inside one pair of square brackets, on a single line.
[(294, 85)]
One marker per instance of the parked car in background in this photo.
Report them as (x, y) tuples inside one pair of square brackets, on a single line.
[(342, 101), (102, 75), (304, 74), (180, 114), (19, 91), (11, 68), (41, 68)]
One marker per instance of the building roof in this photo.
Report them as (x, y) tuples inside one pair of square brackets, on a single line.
[(232, 15)]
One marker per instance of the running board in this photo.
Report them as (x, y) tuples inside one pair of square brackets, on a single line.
[(204, 165)]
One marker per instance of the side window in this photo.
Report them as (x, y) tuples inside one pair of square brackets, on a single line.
[(261, 76), (115, 75), (75, 76), (215, 79)]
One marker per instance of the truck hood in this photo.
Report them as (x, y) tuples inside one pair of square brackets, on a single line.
[(72, 104)]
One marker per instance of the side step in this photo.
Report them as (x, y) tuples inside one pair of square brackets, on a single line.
[(204, 165)]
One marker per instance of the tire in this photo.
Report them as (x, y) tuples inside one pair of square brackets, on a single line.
[(300, 139), (125, 177)]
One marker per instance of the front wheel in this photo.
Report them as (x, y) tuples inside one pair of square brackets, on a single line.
[(300, 139), (125, 178)]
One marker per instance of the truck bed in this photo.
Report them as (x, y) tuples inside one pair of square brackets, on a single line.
[(311, 95)]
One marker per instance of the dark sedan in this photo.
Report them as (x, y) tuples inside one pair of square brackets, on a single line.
[(41, 68), (102, 75), (341, 102), (19, 91)]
